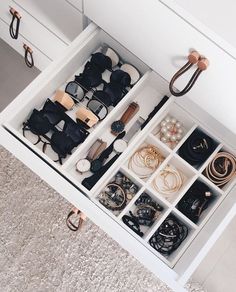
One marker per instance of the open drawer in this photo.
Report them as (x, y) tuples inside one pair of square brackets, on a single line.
[(176, 268)]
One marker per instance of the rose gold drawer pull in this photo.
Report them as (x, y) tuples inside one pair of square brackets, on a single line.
[(14, 32), (194, 58), (29, 60)]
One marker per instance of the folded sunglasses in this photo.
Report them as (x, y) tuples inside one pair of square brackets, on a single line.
[(126, 76), (44, 125)]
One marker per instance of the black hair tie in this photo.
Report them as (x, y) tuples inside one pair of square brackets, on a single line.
[(29, 61), (14, 32)]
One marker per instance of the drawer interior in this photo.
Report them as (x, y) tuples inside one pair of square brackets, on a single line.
[(220, 196), (147, 92), (73, 65)]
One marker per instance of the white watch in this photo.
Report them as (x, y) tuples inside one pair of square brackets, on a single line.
[(83, 165)]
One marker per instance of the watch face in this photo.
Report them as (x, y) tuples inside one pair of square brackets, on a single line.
[(83, 165), (117, 126), (120, 145), (95, 165)]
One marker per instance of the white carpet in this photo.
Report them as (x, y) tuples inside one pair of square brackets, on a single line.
[(39, 254)]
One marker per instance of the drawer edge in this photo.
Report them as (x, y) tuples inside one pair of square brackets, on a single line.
[(70, 193)]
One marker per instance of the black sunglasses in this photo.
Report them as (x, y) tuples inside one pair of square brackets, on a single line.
[(44, 125)]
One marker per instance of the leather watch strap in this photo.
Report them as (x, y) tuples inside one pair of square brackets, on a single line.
[(129, 113), (96, 149)]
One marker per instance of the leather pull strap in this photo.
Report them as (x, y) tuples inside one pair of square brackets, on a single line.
[(29, 60), (81, 218), (14, 32), (193, 58)]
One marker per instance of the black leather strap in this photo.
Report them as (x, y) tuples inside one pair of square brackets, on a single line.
[(14, 32), (29, 60), (89, 182)]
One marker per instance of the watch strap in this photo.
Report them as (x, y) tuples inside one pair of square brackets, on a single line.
[(155, 110), (106, 153), (133, 130), (89, 182), (96, 149), (129, 113)]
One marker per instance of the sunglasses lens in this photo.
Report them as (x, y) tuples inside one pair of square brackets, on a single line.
[(113, 56), (121, 77), (97, 108), (132, 71), (101, 61), (75, 90)]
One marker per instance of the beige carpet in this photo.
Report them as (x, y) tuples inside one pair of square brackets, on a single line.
[(39, 253)]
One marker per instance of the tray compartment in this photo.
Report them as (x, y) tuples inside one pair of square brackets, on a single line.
[(227, 168), (198, 148), (198, 201), (118, 192), (181, 236), (148, 202), (171, 180), (183, 123), (147, 158)]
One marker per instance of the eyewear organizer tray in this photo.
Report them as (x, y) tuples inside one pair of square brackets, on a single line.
[(154, 179)]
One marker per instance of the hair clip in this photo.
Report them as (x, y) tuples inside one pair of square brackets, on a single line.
[(193, 58)]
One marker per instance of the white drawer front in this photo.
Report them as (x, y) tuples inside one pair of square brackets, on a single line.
[(66, 181), (78, 4), (59, 16), (163, 40), (41, 61), (34, 32)]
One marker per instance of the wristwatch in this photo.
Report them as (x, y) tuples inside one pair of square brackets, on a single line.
[(119, 126), (96, 164), (84, 164), (90, 181), (121, 144)]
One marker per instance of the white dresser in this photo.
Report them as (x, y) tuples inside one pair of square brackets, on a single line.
[(47, 27), (155, 36)]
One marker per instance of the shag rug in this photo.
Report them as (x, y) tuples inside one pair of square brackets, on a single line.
[(39, 254)]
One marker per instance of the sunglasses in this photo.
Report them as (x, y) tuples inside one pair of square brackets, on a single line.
[(126, 75), (44, 126)]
